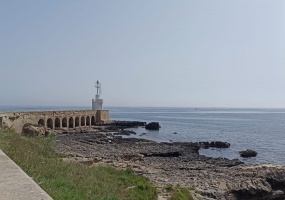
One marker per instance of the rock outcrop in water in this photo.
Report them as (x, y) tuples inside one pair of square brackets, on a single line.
[(248, 153), (153, 126), (215, 144), (123, 124)]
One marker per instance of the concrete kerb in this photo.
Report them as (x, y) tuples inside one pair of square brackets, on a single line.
[(15, 184)]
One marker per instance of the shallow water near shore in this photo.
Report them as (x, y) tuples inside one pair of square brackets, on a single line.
[(262, 130)]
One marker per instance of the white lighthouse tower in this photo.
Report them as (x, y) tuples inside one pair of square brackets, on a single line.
[(97, 103)]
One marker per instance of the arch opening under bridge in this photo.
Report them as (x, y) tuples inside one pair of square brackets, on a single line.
[(71, 122), (82, 121), (57, 123), (76, 121), (87, 121), (64, 123), (93, 121), (41, 122), (50, 123)]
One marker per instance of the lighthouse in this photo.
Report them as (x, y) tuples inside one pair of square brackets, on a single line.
[(97, 103)]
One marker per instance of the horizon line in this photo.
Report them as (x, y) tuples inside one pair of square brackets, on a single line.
[(124, 106)]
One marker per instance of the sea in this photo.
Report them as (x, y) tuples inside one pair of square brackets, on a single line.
[(262, 130)]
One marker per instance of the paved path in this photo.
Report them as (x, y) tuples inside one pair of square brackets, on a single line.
[(15, 184)]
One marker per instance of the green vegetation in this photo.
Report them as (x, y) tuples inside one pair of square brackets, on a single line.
[(169, 187), (181, 193), (195, 190), (63, 180)]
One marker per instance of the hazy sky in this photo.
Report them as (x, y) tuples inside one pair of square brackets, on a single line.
[(202, 53)]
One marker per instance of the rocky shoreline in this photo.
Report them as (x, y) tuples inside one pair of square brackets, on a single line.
[(174, 163)]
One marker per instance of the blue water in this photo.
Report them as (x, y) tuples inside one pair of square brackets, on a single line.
[(262, 130)]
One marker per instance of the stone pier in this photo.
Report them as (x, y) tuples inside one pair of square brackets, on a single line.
[(54, 119)]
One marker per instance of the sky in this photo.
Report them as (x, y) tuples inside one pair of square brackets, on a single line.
[(186, 53)]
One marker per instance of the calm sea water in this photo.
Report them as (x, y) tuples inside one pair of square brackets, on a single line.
[(262, 130)]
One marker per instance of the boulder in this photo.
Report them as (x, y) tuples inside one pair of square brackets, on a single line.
[(248, 153), (153, 126), (33, 130)]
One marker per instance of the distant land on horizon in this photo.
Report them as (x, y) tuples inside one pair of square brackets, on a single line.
[(7, 108)]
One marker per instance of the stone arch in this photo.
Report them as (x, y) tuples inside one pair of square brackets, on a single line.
[(82, 121), (71, 122), (64, 123), (92, 120), (41, 122), (50, 123), (87, 121), (57, 123), (76, 121)]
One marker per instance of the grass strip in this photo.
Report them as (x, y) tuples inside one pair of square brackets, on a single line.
[(181, 193), (62, 180)]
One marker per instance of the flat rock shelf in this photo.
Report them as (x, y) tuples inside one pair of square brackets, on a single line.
[(176, 163)]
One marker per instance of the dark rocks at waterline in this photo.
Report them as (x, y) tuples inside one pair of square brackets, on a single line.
[(125, 132), (177, 163), (214, 144), (115, 125), (128, 124), (153, 126), (163, 154), (142, 134), (248, 153)]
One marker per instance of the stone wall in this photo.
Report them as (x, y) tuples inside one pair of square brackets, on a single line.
[(102, 115), (54, 119)]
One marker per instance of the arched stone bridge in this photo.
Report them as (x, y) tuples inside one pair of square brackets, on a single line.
[(54, 119)]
